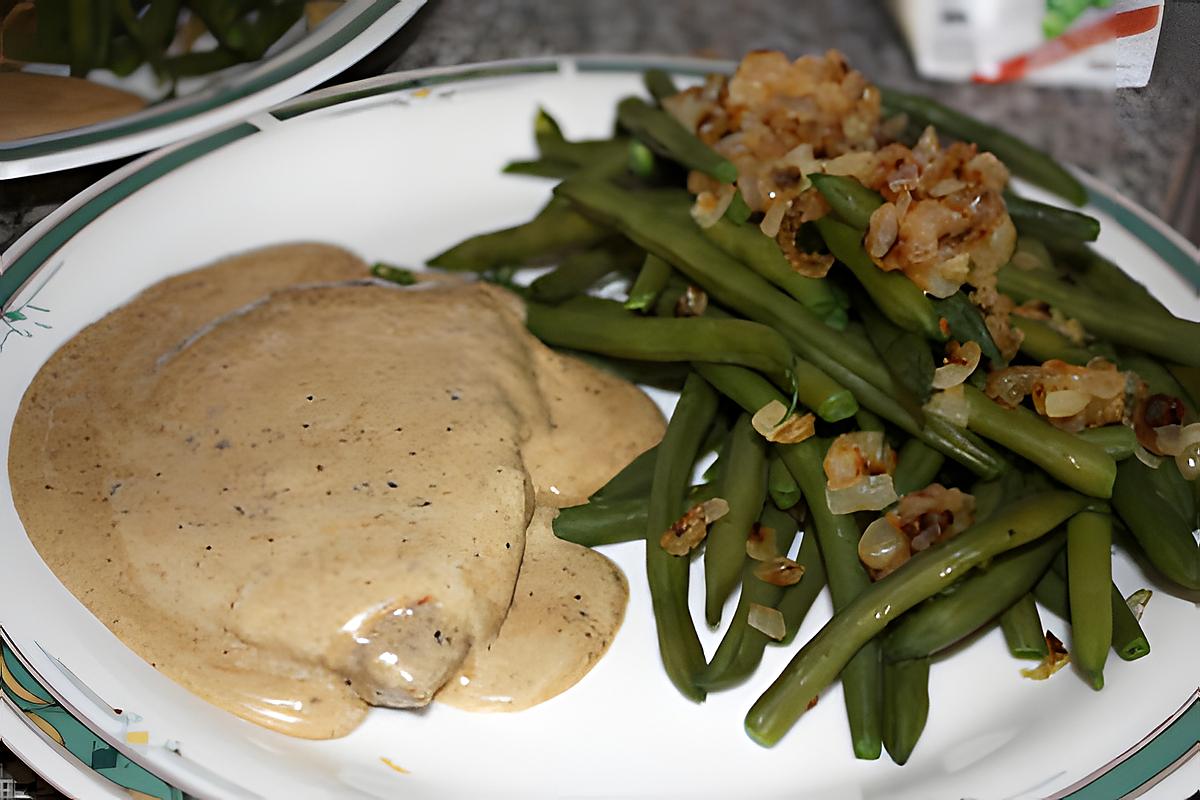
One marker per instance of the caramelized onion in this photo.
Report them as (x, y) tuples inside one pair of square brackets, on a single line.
[(853, 456), (1175, 439), (1146, 457), (873, 493), (687, 532), (767, 620), (1066, 402), (961, 361), (774, 217), (883, 546), (760, 544), (951, 405), (779, 571), (769, 421), (692, 303), (1056, 658), (711, 206), (1188, 461), (1153, 412), (882, 230)]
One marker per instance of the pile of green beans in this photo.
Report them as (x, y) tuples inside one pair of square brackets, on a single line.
[(720, 310), (121, 35)]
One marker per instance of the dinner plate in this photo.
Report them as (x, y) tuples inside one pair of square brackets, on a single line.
[(300, 60), (396, 168)]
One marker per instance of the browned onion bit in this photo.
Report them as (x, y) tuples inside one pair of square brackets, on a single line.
[(1153, 412), (779, 571), (692, 303)]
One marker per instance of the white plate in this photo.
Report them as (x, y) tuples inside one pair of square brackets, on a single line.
[(299, 61), (397, 168)]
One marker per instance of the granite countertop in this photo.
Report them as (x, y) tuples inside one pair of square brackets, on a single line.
[(1142, 141)]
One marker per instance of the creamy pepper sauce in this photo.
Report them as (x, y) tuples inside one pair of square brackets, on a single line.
[(299, 493)]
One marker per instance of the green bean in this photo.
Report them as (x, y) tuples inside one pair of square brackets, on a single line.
[(678, 643), (1119, 441), (666, 375), (641, 161), (659, 84), (798, 598), (546, 130), (900, 300), (578, 272), (742, 646), (1159, 508), (1042, 343), (866, 421), (966, 324), (738, 213), (158, 23), (916, 467), (743, 484), (188, 65), (1031, 253), (837, 536), (251, 37), (905, 706), (600, 522), (821, 393), (1128, 640), (1023, 160), (927, 573), (1051, 592), (851, 365), (540, 168), (852, 202), (633, 481), (665, 136), (1089, 583), (1095, 272), (1050, 222), (397, 275), (1188, 379), (555, 230), (732, 341), (906, 355), (780, 484), (981, 596), (1079, 464), (84, 22), (1023, 632), (124, 56), (554, 146), (650, 282), (1169, 337), (590, 304), (747, 244)]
